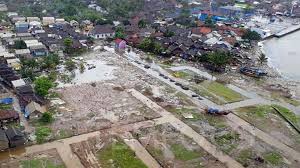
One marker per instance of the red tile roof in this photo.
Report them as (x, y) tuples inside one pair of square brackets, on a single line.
[(230, 40), (8, 114), (118, 41), (201, 30)]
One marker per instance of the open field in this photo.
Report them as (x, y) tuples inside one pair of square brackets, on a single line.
[(172, 149), (217, 92), (268, 120), (47, 159), (106, 151)]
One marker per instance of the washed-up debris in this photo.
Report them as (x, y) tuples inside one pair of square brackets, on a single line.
[(199, 79), (214, 111), (91, 66), (57, 102), (253, 72), (279, 88), (147, 66), (185, 87), (195, 95), (188, 115)]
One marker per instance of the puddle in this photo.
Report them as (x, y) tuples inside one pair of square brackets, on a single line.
[(12, 152), (100, 72)]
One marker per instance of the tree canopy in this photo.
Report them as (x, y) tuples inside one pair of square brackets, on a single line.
[(142, 23), (42, 86), (20, 44), (50, 61), (68, 42), (251, 35), (119, 33), (149, 45), (47, 117), (219, 58), (216, 60)]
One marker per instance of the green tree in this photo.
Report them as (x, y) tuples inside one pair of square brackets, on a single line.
[(185, 13), (20, 44), (158, 49), (142, 24), (90, 40), (47, 117), (27, 73), (146, 45), (218, 58), (169, 33), (262, 58), (119, 33), (68, 42), (30, 63), (209, 22), (50, 61), (251, 35), (52, 76), (70, 65), (42, 86), (81, 67), (149, 45)]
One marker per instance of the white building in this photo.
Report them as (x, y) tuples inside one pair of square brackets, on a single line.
[(102, 32), (48, 21)]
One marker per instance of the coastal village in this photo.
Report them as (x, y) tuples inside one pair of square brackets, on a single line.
[(146, 83)]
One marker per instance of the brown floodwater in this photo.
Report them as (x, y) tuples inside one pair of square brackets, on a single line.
[(12, 152)]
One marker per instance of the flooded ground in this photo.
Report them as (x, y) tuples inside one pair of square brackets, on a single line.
[(95, 71), (12, 152), (284, 55)]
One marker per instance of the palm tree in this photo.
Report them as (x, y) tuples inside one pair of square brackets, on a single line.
[(262, 58)]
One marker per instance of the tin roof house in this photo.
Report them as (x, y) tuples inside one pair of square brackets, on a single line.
[(15, 137), (4, 143)]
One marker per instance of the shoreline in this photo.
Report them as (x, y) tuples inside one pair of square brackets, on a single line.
[(274, 74)]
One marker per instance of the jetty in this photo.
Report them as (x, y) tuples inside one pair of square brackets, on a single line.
[(287, 31)]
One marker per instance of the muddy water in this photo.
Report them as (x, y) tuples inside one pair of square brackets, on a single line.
[(100, 72), (12, 152), (284, 55)]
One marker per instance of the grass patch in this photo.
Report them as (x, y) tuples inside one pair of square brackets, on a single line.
[(181, 153), (256, 111), (42, 134), (279, 97), (184, 99), (227, 142), (185, 74), (63, 134), (273, 158), (292, 101), (5, 106), (199, 89), (288, 114), (165, 66), (245, 157), (181, 110), (156, 152), (223, 91), (215, 121), (118, 154), (40, 163)]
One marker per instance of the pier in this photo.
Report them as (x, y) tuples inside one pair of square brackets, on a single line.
[(287, 31)]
